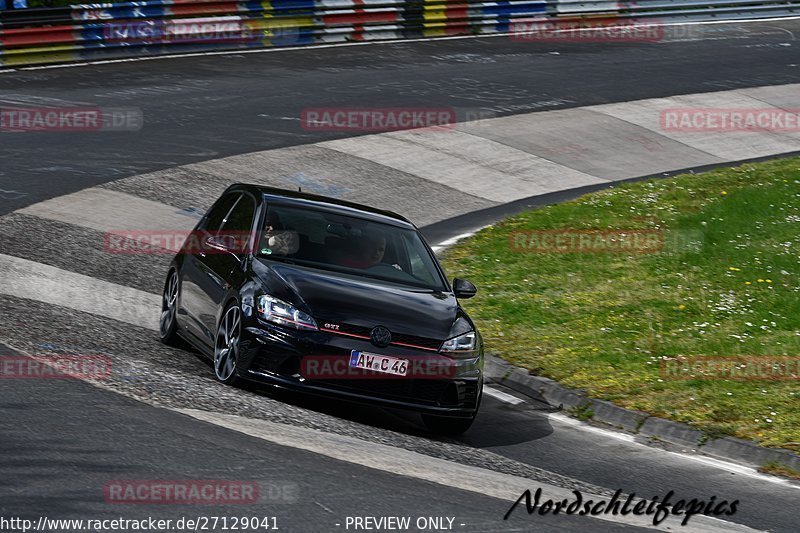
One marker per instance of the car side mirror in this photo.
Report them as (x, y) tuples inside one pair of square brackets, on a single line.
[(216, 243), (463, 288), (223, 244)]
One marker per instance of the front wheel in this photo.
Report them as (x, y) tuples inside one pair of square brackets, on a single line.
[(167, 324), (226, 346), (444, 425)]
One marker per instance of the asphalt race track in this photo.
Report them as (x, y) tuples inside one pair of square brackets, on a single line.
[(160, 415), (197, 109)]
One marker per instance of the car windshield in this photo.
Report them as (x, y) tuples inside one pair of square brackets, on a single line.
[(348, 244)]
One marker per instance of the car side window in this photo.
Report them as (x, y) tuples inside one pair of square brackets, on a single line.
[(237, 225), (421, 267), (240, 218), (220, 211)]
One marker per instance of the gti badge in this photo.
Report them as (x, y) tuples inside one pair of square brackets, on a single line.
[(380, 336)]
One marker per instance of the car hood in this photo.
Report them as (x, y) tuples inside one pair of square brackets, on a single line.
[(341, 299)]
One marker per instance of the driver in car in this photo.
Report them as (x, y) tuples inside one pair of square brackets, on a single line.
[(277, 240), (368, 252)]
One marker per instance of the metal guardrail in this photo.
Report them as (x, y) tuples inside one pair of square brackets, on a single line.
[(155, 27), (174, 26)]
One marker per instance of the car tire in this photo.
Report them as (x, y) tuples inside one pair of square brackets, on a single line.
[(445, 425), (227, 345), (168, 324)]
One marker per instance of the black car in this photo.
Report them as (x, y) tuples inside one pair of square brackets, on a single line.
[(328, 297)]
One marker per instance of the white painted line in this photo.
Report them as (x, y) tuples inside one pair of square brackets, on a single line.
[(731, 146), (737, 469), (27, 100), (704, 459), (12, 195), (107, 211), (452, 240), (360, 43), (57, 287), (259, 51), (469, 162), (591, 429), (264, 115), (406, 463), (502, 396)]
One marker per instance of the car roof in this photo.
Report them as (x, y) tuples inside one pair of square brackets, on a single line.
[(298, 198)]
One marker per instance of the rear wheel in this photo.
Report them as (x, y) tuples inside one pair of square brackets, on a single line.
[(226, 346), (167, 325), (444, 425)]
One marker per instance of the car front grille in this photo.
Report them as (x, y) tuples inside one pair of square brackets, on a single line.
[(398, 339)]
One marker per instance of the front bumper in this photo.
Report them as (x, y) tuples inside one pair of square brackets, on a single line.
[(435, 384)]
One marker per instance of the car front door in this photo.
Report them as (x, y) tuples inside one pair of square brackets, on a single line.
[(221, 263), (195, 278)]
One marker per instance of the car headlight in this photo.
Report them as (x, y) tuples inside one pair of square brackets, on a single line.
[(279, 312), (462, 345)]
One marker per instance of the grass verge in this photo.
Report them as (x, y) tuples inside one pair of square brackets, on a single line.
[(597, 315), (778, 469)]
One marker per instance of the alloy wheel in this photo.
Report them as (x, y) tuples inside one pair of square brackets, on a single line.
[(169, 303), (226, 348)]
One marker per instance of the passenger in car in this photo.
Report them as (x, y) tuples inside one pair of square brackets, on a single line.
[(366, 252)]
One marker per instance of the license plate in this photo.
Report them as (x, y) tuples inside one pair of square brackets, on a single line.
[(379, 363)]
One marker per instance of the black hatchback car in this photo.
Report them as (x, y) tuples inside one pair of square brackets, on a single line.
[(328, 297)]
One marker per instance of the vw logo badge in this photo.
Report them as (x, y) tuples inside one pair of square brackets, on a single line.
[(381, 336)]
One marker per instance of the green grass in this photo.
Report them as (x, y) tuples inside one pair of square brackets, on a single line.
[(778, 469), (603, 322), (582, 412)]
